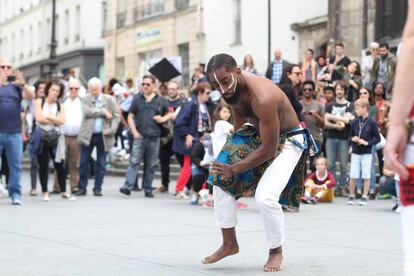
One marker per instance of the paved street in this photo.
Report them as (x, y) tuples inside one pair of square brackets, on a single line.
[(118, 235)]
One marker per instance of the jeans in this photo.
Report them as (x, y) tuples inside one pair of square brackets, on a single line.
[(337, 148), (34, 167), (143, 150), (12, 143), (373, 176), (96, 141)]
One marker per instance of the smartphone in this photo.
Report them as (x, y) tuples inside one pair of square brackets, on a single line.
[(11, 78)]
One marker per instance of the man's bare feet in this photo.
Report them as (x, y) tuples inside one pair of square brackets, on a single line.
[(274, 263), (224, 251)]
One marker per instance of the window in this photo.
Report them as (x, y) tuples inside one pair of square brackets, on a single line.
[(39, 37), (146, 60), (390, 18), (183, 51), (237, 22), (22, 43), (67, 23), (121, 13), (120, 68), (30, 40), (77, 23), (149, 8), (181, 4), (57, 28), (13, 47), (104, 16)]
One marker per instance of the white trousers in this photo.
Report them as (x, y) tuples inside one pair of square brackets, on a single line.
[(268, 191), (407, 227)]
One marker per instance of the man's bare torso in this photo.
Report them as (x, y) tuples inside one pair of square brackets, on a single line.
[(244, 109)]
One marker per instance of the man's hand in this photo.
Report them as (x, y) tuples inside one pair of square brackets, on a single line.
[(19, 78), (363, 142), (107, 114), (188, 141), (158, 119), (136, 135), (395, 149), (107, 132), (355, 139), (340, 125), (224, 170)]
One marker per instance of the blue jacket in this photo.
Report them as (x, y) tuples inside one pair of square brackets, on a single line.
[(366, 129), (186, 123)]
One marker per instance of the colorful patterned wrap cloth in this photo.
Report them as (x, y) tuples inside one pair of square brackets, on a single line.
[(238, 146)]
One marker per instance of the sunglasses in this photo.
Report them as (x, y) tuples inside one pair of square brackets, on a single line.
[(5, 67), (73, 88), (146, 84), (297, 73), (307, 89)]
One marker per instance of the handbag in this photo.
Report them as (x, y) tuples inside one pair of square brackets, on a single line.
[(50, 137), (381, 144)]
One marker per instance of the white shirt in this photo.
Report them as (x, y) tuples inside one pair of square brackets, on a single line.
[(222, 130), (73, 116)]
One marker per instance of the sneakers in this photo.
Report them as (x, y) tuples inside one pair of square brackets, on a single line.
[(16, 201), (372, 195), (351, 200), (162, 189), (181, 195), (194, 200), (363, 201), (385, 196), (398, 210), (307, 200), (124, 191), (315, 200), (3, 191), (241, 205), (46, 197), (208, 203)]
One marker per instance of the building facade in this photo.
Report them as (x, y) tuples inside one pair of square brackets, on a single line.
[(241, 27), (358, 23), (25, 36), (138, 33)]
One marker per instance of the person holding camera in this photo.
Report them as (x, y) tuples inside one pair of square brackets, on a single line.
[(13, 89)]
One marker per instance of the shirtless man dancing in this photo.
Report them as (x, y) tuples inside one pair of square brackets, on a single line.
[(258, 101)]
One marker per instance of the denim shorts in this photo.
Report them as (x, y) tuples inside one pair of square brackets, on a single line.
[(361, 166)]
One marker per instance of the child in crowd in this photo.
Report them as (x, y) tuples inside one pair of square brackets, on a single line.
[(318, 186), (364, 134), (201, 157), (222, 128), (389, 185)]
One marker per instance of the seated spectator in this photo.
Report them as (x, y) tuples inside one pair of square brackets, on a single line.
[(390, 186), (201, 157), (318, 186), (365, 134)]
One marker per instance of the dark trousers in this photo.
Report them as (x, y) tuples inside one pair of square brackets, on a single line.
[(84, 166), (165, 155), (43, 160)]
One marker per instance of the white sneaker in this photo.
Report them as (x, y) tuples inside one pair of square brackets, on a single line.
[(398, 210), (3, 191), (181, 195), (46, 197)]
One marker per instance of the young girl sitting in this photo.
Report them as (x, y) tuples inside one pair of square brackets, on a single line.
[(318, 186)]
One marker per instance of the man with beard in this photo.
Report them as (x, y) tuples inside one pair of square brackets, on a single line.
[(383, 69), (257, 101)]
